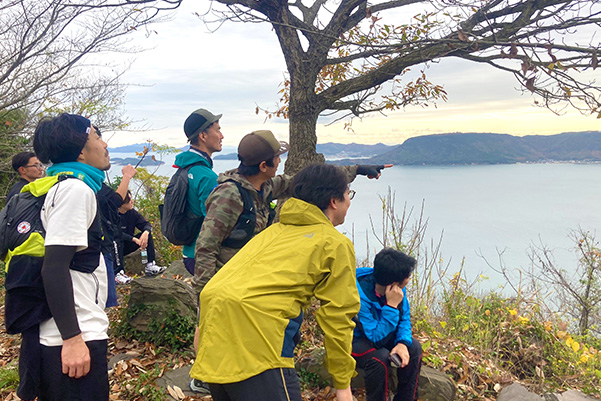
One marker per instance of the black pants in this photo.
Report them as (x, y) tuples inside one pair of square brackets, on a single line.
[(279, 384), (376, 364), (130, 246), (56, 386), (189, 264)]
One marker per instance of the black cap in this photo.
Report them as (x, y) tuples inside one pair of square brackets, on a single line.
[(198, 121)]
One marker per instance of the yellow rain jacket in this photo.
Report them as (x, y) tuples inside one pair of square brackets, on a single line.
[(251, 309)]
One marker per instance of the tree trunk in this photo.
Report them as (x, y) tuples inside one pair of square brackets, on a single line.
[(303, 137)]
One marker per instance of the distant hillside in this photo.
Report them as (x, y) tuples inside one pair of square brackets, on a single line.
[(335, 151), (138, 147), (486, 148), (133, 161)]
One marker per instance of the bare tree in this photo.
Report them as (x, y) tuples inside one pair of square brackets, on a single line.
[(46, 42), (51, 61), (575, 292), (339, 54)]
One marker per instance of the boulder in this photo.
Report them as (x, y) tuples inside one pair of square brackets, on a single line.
[(517, 392), (133, 264), (155, 297), (177, 268), (433, 384), (570, 395)]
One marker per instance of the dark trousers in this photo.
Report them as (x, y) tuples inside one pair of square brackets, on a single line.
[(111, 298), (189, 264), (56, 386), (130, 246), (376, 364), (279, 384)]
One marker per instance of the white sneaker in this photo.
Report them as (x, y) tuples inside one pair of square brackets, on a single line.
[(198, 386), (152, 268), (122, 278)]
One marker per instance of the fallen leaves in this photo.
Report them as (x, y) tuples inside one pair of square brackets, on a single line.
[(176, 392)]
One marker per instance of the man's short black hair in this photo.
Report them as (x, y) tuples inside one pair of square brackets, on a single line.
[(392, 266), (249, 171), (61, 139), (319, 183), (21, 160)]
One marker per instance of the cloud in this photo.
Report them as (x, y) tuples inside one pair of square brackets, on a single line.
[(239, 66)]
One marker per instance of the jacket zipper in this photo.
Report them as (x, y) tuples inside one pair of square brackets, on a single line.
[(97, 286)]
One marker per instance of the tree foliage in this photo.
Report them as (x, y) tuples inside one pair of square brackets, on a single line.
[(340, 54)]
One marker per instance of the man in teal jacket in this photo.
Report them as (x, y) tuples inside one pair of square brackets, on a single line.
[(204, 134), (382, 337)]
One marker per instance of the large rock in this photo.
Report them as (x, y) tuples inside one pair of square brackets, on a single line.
[(155, 297), (570, 395), (517, 392), (133, 264), (433, 384), (177, 268)]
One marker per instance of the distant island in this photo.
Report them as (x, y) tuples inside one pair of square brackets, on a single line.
[(487, 148), (332, 151), (444, 149), (133, 161)]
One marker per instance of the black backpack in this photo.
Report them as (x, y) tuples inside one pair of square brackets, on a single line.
[(22, 249), (178, 224)]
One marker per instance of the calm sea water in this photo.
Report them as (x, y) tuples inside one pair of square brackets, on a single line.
[(480, 210)]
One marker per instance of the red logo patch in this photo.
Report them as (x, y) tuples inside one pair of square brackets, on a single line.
[(23, 227)]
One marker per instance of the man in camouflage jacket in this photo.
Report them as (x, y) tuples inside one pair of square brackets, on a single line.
[(259, 153)]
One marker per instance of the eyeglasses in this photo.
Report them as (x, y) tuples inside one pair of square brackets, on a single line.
[(351, 194), (37, 165)]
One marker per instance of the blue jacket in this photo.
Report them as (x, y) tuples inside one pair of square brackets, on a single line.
[(379, 324), (201, 181)]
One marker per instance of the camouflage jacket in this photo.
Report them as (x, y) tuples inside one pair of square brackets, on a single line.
[(224, 207)]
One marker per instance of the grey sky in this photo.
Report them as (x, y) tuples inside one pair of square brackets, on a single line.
[(240, 66)]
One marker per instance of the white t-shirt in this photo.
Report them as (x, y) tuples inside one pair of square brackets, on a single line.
[(68, 212)]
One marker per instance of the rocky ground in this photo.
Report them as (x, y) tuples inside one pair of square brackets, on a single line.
[(143, 371)]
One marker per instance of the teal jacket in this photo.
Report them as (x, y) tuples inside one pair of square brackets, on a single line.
[(201, 181)]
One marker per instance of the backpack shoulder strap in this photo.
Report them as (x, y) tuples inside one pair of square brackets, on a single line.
[(247, 200)]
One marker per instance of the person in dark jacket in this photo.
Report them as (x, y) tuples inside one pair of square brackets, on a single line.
[(382, 337), (29, 168), (130, 220)]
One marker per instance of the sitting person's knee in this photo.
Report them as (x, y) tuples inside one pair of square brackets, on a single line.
[(416, 347)]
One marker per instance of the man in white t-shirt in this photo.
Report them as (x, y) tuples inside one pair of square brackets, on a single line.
[(74, 341)]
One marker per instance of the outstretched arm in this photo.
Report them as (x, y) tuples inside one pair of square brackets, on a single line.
[(372, 170)]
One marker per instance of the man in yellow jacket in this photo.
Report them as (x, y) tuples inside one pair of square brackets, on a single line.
[(252, 309)]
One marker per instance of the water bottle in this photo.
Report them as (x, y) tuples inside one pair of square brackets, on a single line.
[(144, 256)]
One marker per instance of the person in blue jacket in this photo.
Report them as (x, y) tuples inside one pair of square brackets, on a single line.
[(382, 337)]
